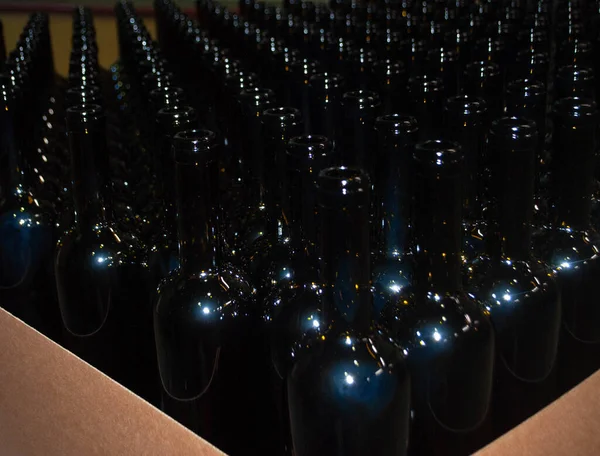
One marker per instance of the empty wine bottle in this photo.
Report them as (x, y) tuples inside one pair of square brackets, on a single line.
[(325, 97), (203, 313), (349, 390), (269, 257), (292, 311), (356, 137), (567, 242), (26, 225), (447, 335), (520, 293), (101, 271), (392, 259)]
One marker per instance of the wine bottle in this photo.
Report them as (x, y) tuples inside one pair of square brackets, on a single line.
[(101, 271), (356, 137), (349, 391), (520, 293), (397, 135), (269, 257), (325, 97), (26, 225), (163, 248), (448, 337), (292, 311), (203, 313), (568, 243)]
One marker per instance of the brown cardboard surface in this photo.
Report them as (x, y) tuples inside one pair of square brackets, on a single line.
[(570, 426), (54, 404)]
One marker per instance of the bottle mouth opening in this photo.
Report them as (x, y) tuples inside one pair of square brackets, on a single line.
[(576, 73), (465, 105), (343, 182), (84, 116), (281, 114), (514, 132), (176, 110), (361, 99), (576, 109), (439, 155), (402, 123), (305, 143), (198, 137), (90, 109), (166, 91), (526, 86)]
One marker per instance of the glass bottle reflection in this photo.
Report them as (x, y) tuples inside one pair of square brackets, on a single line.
[(203, 313), (101, 271), (292, 310), (393, 268), (26, 226), (448, 339), (520, 293), (349, 390), (567, 242)]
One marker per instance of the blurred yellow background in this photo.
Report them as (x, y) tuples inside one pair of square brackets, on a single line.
[(61, 29)]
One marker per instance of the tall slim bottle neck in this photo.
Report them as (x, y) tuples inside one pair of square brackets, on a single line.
[(343, 195), (439, 172), (11, 160), (512, 149), (170, 121), (397, 135), (279, 125), (575, 141), (197, 188), (86, 127), (465, 123), (254, 102), (306, 156)]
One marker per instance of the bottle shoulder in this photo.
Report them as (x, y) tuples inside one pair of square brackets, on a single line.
[(565, 248), (437, 320), (206, 296), (344, 364), (104, 245)]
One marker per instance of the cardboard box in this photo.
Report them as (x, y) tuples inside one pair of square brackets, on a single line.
[(54, 404)]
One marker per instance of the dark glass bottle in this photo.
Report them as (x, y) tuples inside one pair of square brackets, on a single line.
[(575, 81), (520, 293), (163, 239), (484, 79), (349, 391), (356, 138), (392, 260), (203, 313), (426, 98), (101, 271), (292, 311), (567, 242), (325, 98), (26, 225), (269, 257), (448, 338)]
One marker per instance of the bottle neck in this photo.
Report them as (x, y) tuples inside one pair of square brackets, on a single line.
[(471, 137), (393, 193), (511, 208), (11, 160), (438, 224), (573, 163), (345, 264), (89, 174), (197, 215), (254, 160)]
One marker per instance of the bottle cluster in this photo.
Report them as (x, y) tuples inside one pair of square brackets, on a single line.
[(348, 228)]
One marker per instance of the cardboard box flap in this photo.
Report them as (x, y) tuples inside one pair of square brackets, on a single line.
[(570, 426), (54, 404)]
